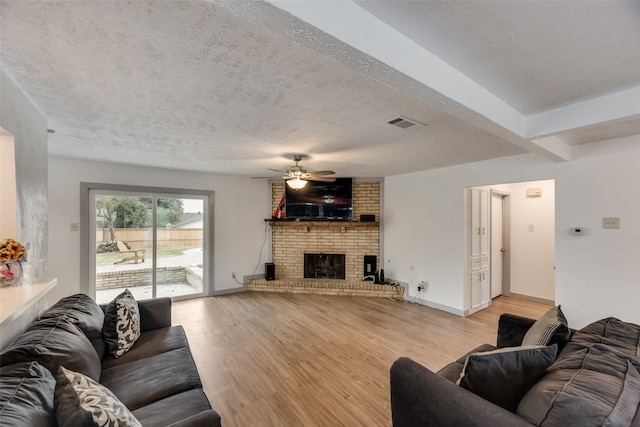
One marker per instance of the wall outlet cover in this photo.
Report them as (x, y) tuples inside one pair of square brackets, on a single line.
[(611, 222)]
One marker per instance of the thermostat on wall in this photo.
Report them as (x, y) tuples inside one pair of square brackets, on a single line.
[(578, 231), (534, 192)]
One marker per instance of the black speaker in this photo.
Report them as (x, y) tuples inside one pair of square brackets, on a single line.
[(370, 262), (367, 218), (269, 271)]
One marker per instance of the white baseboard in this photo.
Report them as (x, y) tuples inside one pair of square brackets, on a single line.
[(229, 291), (534, 299), (435, 305)]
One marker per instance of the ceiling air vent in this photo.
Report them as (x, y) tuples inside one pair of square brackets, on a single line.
[(405, 123)]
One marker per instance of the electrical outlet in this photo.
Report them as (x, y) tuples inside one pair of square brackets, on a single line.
[(422, 286), (233, 275), (419, 288)]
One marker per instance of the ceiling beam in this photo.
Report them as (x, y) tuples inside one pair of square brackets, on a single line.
[(552, 148), (607, 108)]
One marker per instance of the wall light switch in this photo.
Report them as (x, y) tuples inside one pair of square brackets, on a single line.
[(532, 228), (74, 226), (611, 222)]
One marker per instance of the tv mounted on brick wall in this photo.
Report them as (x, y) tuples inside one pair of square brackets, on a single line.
[(320, 200)]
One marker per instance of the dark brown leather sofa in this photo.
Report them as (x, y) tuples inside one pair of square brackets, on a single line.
[(157, 379)]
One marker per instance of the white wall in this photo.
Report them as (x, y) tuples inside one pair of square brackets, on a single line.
[(596, 275), (238, 217), (8, 209), (22, 119)]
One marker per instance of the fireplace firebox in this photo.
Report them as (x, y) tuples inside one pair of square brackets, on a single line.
[(324, 266)]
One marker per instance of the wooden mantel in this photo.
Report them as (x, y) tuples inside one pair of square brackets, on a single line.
[(322, 224)]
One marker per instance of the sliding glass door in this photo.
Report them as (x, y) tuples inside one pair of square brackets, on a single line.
[(152, 244)]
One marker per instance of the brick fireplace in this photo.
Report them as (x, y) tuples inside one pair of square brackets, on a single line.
[(290, 242), (293, 240)]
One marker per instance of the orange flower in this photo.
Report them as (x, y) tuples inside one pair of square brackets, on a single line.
[(11, 250)]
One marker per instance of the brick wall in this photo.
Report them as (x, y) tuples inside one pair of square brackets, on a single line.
[(290, 243), (139, 277)]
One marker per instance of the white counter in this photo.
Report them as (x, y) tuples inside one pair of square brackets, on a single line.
[(19, 305)]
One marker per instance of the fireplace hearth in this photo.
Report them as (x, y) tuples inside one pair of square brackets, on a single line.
[(324, 266)]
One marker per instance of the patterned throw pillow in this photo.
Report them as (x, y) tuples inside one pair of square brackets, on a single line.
[(121, 324), (543, 330), (80, 401)]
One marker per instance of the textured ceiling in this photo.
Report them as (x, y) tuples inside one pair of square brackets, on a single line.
[(535, 55), (237, 87)]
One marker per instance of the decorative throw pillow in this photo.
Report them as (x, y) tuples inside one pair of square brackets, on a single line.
[(543, 330), (80, 401), (121, 324), (505, 375)]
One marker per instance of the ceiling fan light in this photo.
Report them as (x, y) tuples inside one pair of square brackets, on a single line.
[(296, 183)]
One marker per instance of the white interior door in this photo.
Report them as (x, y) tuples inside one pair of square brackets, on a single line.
[(497, 243)]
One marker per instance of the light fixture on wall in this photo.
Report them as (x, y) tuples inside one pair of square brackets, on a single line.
[(296, 183)]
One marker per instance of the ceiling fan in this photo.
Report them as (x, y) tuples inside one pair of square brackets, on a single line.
[(297, 176)]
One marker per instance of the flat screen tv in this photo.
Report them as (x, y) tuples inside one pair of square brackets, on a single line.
[(320, 200)]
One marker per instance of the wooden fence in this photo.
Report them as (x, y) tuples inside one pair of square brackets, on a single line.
[(140, 238)]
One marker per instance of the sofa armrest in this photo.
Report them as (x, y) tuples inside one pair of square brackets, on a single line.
[(155, 313), (420, 397), (512, 329)]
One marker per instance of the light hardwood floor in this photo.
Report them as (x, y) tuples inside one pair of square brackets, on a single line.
[(280, 359)]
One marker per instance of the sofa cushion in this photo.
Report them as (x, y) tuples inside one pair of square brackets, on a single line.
[(82, 402), (619, 336), (503, 376), (148, 380), (587, 387), (551, 328), (183, 405), (209, 418), (149, 344), (121, 323), (83, 312), (26, 395), (54, 343)]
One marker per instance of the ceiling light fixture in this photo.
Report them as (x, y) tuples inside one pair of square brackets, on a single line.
[(296, 183)]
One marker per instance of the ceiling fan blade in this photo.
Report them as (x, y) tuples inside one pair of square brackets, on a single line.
[(276, 170), (316, 173), (319, 178), (269, 177)]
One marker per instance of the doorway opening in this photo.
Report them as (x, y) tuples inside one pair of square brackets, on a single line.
[(511, 242), (155, 242)]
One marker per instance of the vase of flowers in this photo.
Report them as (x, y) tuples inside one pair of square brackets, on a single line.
[(12, 255)]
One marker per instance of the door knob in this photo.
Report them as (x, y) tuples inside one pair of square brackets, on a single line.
[(503, 250)]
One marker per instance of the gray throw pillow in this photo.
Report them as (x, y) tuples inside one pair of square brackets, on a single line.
[(82, 402), (121, 324), (505, 375), (550, 328)]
